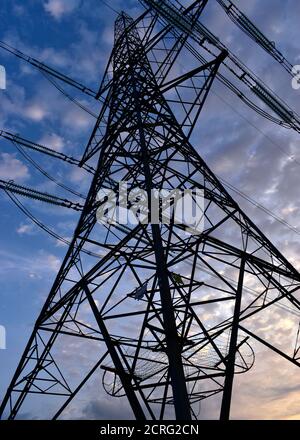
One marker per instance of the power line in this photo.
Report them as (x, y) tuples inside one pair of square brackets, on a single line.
[(68, 96), (140, 120), (49, 70), (44, 227), (31, 193), (110, 7), (14, 139), (42, 171), (292, 158), (247, 289), (252, 201), (249, 28), (241, 193), (52, 233), (259, 206), (45, 150), (276, 144), (206, 39)]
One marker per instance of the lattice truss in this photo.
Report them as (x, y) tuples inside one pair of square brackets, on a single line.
[(203, 295)]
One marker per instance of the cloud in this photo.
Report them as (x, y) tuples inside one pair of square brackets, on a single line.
[(225, 140), (34, 266), (76, 119), (12, 168), (106, 409), (53, 262), (58, 8), (259, 395), (25, 229), (36, 112), (53, 141)]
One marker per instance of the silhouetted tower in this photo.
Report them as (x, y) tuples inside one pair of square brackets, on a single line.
[(164, 314)]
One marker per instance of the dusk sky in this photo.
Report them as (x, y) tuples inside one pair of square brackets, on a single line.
[(257, 157)]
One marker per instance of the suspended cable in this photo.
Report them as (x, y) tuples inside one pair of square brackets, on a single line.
[(245, 288), (259, 206), (110, 7), (201, 35), (235, 90), (277, 145), (43, 67), (42, 171), (249, 28), (245, 196), (17, 139), (71, 98), (44, 227), (56, 74)]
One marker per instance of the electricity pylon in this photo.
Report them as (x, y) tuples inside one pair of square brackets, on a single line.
[(164, 314)]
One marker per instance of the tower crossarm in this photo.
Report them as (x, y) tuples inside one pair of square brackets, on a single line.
[(200, 34), (170, 333)]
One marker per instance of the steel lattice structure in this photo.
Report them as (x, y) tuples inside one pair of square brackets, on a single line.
[(167, 350)]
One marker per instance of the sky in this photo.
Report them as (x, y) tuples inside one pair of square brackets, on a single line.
[(256, 156)]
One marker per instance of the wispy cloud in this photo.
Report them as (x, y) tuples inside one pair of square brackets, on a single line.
[(226, 138), (58, 8), (12, 168), (53, 141)]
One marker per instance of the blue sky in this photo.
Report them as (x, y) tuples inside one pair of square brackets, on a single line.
[(76, 36)]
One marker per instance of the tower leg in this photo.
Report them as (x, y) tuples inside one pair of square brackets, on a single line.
[(229, 374)]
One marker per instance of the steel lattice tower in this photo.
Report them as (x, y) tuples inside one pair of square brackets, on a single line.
[(169, 350)]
